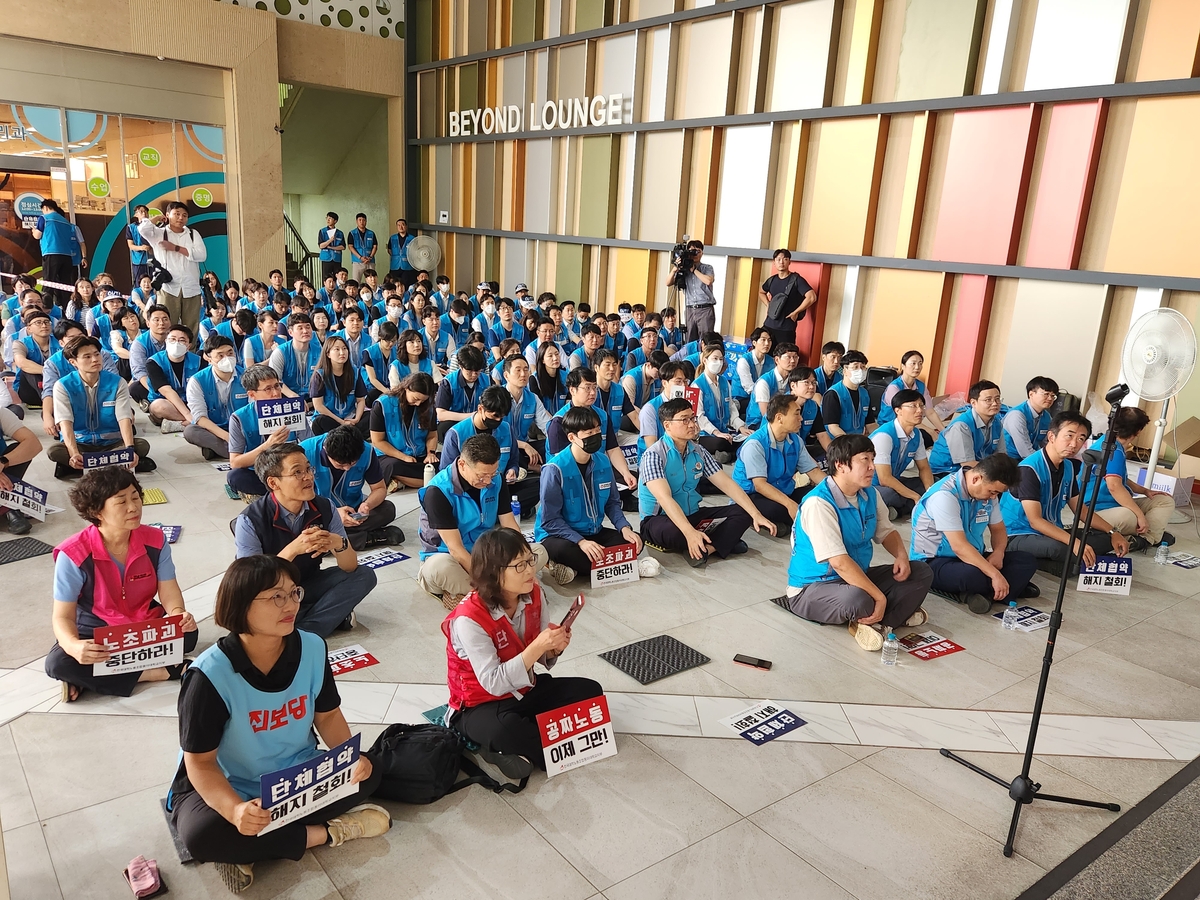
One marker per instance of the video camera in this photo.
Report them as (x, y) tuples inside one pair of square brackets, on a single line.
[(683, 259)]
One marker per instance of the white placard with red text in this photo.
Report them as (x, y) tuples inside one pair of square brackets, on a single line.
[(575, 735), (140, 646), (619, 565), (347, 659)]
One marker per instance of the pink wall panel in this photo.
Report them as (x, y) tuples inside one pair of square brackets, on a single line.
[(1064, 192), (985, 186), (970, 322), (812, 326)]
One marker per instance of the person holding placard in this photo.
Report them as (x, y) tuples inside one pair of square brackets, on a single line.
[(20, 445), (578, 489), (253, 703), (109, 574), (771, 458), (294, 523), (94, 413), (493, 639), (246, 442), (830, 577)]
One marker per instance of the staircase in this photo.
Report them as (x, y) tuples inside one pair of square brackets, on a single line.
[(299, 260)]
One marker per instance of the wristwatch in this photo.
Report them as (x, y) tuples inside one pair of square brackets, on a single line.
[(3, 461), (345, 544)]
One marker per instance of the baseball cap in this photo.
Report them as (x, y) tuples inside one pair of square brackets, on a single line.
[(521, 287), (483, 286)]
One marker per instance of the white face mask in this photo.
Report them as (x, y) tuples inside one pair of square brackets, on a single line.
[(489, 309), (714, 366), (226, 365), (393, 312), (176, 350), (856, 376), (457, 320)]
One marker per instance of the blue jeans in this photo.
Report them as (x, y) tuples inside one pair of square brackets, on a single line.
[(330, 596)]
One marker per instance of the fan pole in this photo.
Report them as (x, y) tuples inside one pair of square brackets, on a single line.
[(1160, 428)]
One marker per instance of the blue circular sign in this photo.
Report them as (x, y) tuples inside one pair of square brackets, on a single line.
[(29, 205)]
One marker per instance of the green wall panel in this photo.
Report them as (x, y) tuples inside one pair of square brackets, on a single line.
[(597, 209), (570, 273), (527, 16), (424, 45)]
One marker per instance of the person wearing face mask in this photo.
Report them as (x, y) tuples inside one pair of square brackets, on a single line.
[(456, 324), (487, 319), (393, 312), (675, 378), (583, 388), (462, 503), (718, 406), (578, 489), (911, 364), (973, 434), (213, 394), (771, 458), (846, 407), (490, 417), (1048, 481), (169, 373)]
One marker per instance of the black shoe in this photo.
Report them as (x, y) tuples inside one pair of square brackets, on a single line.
[(1168, 539), (145, 464), (513, 766), (1137, 543), (348, 623), (979, 604), (208, 454), (739, 547), (17, 523), (394, 535), (62, 470), (376, 538), (1031, 590), (154, 420), (696, 563)]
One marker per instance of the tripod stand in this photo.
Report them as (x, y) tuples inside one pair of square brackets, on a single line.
[(1023, 790)]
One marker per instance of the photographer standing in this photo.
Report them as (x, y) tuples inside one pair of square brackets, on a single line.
[(695, 279)]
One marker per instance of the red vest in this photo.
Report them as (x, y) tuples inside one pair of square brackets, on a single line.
[(465, 689), (109, 598)]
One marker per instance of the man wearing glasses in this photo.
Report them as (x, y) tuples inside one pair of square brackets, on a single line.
[(293, 523), (973, 434), (466, 498), (669, 498), (897, 445), (1026, 425)]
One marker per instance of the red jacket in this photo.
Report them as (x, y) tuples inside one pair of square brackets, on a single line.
[(105, 596), (465, 689)]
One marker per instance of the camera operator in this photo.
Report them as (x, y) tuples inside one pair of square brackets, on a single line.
[(695, 279)]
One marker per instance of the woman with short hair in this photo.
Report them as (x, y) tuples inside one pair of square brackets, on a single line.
[(493, 639), (263, 666), (109, 574)]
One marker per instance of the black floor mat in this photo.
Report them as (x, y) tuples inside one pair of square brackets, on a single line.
[(22, 548), (180, 850), (654, 658)]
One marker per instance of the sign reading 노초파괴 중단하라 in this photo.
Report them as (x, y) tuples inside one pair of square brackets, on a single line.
[(575, 112), (138, 646)]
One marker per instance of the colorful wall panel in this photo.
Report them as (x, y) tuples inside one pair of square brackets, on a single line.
[(1077, 42), (745, 171), (840, 190), (938, 53), (1170, 42), (903, 311)]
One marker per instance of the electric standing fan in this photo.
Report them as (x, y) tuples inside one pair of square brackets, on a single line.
[(1156, 362), (424, 253)]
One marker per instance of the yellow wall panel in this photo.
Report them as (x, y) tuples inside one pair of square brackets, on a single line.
[(702, 79), (859, 77), (632, 277), (1170, 41), (900, 311), (838, 210), (1155, 228)]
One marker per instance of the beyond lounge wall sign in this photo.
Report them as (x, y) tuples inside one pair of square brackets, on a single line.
[(577, 112)]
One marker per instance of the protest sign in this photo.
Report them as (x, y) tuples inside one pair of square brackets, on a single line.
[(140, 645), (1110, 575), (276, 414), (120, 457), (25, 498), (763, 722), (347, 659), (575, 735), (295, 792), (618, 566)]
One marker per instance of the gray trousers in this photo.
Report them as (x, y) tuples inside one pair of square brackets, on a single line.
[(835, 602), (698, 320), (894, 500), (202, 437), (1050, 552)]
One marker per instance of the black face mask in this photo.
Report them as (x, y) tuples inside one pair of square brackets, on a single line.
[(489, 425), (593, 443)]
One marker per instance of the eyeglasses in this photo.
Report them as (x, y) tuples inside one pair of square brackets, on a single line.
[(685, 420), (281, 599), (306, 472), (916, 406), (522, 566)]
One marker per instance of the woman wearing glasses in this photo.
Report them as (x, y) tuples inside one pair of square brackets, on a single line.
[(254, 703), (494, 637), (109, 574)]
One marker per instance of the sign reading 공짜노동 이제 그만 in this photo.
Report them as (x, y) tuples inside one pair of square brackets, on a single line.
[(298, 790), (140, 645), (575, 735), (276, 414), (619, 565)]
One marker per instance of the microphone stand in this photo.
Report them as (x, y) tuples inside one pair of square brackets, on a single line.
[(1023, 790)]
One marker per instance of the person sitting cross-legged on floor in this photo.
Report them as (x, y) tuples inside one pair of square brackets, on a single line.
[(830, 577), (493, 639), (464, 500), (578, 491), (246, 442), (109, 574), (94, 413), (669, 496), (348, 474), (18, 446), (169, 372), (771, 458), (226, 746), (213, 395), (293, 523), (1045, 484), (898, 443), (948, 525)]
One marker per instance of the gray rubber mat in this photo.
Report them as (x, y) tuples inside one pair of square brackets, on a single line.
[(22, 548), (654, 658)]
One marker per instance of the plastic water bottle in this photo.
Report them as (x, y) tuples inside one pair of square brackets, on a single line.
[(1011, 616), (1161, 554), (891, 648), (516, 509), (430, 471)]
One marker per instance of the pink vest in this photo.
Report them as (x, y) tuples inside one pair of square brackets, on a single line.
[(111, 599), (465, 689)]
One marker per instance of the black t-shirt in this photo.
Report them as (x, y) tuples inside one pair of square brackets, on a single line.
[(159, 379), (1029, 486), (794, 287), (831, 408), (441, 514), (445, 396), (203, 714)]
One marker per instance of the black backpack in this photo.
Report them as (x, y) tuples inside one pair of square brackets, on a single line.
[(421, 764)]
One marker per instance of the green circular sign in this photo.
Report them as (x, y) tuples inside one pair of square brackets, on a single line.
[(202, 197), (98, 187), (154, 212), (150, 157)]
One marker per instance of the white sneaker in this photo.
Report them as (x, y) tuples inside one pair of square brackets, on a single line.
[(866, 635), (170, 426), (920, 617), (560, 573), (365, 820), (236, 876)]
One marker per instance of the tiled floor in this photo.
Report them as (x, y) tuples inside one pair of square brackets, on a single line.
[(857, 803)]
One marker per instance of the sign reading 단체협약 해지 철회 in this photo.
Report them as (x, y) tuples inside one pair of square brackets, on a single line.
[(576, 112)]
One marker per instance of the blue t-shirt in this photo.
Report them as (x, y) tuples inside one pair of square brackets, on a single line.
[(68, 577)]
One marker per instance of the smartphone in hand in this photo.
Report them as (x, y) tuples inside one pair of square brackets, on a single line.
[(573, 612)]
